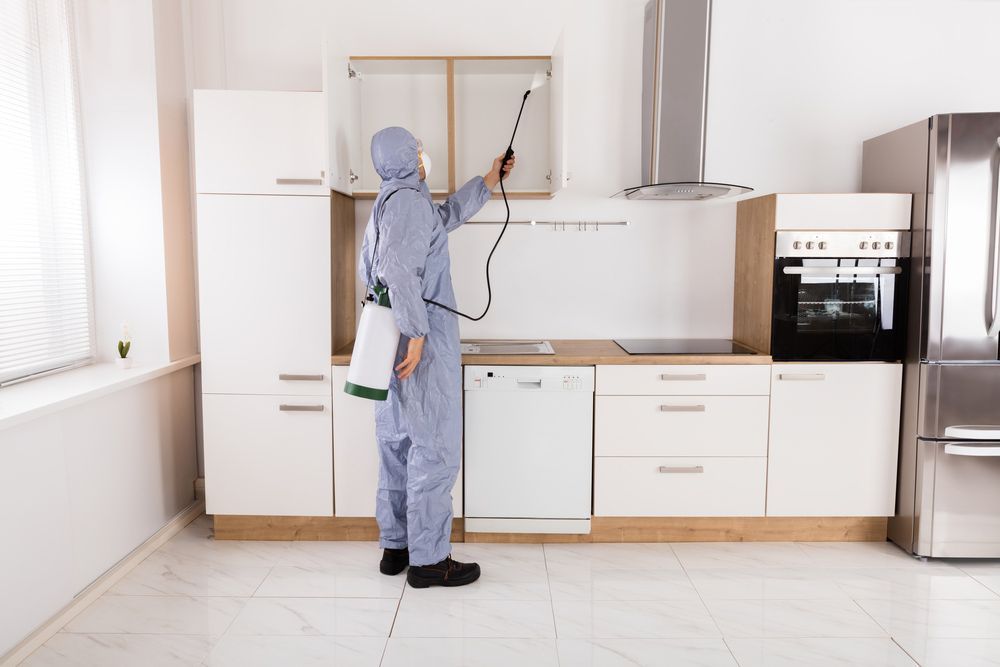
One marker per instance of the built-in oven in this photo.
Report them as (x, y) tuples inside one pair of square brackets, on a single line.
[(840, 295)]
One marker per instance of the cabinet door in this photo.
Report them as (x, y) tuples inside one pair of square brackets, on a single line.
[(260, 142), (834, 439), (264, 292), (342, 101), (268, 455), (355, 453), (557, 118)]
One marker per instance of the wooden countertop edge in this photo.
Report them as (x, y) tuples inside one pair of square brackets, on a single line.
[(585, 353)]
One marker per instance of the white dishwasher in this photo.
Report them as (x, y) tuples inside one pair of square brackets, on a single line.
[(529, 449)]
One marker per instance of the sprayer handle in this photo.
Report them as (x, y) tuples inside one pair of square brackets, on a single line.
[(506, 156)]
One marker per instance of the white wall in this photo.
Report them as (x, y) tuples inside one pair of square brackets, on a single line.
[(133, 89), (795, 87), (83, 487)]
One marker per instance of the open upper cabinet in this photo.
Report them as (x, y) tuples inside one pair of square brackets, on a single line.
[(462, 108)]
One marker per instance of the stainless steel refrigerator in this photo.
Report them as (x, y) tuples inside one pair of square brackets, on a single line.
[(948, 496)]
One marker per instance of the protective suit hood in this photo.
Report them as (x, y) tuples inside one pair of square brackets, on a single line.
[(394, 155)]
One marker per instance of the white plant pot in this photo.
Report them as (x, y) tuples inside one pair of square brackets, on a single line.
[(124, 363)]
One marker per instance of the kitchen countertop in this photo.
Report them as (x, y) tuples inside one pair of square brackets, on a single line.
[(584, 353)]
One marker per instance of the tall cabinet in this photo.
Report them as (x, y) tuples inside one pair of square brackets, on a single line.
[(264, 265)]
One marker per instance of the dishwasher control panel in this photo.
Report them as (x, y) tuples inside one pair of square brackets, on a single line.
[(529, 378)]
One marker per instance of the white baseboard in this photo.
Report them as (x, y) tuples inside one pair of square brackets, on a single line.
[(32, 642)]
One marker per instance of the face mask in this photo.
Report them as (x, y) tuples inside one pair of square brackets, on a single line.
[(425, 159)]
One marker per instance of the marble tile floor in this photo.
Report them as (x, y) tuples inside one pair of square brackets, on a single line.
[(197, 601)]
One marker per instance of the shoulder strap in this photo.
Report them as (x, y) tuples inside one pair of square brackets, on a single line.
[(376, 217)]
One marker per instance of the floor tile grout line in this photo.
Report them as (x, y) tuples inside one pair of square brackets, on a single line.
[(700, 598), (908, 654), (552, 605)]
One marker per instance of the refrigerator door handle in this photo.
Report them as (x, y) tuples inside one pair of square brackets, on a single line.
[(972, 432), (992, 449), (993, 300)]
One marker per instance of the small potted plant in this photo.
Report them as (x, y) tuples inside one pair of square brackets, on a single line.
[(124, 345)]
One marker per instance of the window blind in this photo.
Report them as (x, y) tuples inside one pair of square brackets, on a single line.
[(46, 317)]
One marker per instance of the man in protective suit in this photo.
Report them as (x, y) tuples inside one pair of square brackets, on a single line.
[(419, 426)]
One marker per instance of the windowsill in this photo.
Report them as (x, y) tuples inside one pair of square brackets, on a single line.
[(34, 398)]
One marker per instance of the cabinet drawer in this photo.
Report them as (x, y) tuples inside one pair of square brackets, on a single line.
[(264, 290), (675, 486), (684, 380), (268, 455), (681, 426)]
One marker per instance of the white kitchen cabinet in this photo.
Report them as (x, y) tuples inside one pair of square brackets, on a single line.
[(679, 486), (874, 211), (462, 108), (834, 439), (268, 455), (355, 453), (681, 440), (260, 142), (264, 291), (680, 426), (683, 380)]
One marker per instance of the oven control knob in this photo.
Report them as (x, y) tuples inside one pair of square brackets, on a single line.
[(809, 245), (875, 245), (863, 245), (797, 245), (888, 245), (822, 245)]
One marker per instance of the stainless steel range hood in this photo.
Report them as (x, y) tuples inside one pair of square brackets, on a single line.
[(674, 95)]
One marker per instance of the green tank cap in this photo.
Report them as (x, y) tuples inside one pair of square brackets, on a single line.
[(382, 295)]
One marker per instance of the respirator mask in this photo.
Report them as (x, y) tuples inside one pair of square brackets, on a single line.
[(424, 159)]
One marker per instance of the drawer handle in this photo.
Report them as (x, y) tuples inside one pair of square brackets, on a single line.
[(284, 407), (299, 377), (802, 377), (673, 469), (298, 181), (682, 408), (683, 377)]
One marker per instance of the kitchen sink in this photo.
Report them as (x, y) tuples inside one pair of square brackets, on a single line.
[(507, 347)]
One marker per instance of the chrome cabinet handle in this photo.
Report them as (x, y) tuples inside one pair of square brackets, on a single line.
[(991, 450), (298, 181), (353, 177), (682, 377), (284, 407), (301, 378), (681, 469), (682, 408), (993, 300), (802, 377), (842, 271)]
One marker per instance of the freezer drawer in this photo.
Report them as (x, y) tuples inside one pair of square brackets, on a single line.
[(958, 499)]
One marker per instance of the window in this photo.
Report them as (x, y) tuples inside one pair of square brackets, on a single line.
[(46, 316)]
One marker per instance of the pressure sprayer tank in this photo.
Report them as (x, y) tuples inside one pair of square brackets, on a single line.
[(374, 350)]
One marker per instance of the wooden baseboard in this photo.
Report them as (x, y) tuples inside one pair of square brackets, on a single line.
[(322, 528), (603, 529)]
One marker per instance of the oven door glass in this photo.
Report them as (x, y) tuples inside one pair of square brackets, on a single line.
[(839, 309)]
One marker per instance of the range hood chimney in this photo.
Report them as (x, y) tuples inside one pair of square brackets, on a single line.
[(674, 93)]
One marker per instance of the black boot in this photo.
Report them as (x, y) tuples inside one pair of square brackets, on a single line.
[(394, 561), (446, 573)]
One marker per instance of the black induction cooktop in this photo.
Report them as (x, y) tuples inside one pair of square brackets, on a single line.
[(681, 346)]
